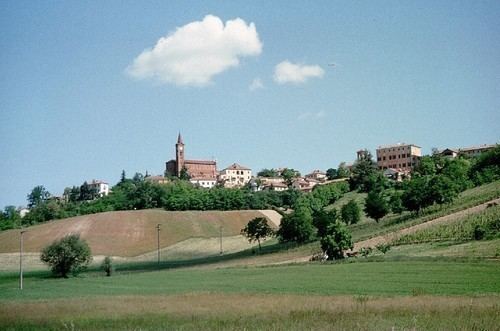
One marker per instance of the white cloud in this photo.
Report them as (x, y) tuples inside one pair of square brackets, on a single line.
[(197, 51), (311, 115), (256, 84), (287, 72)]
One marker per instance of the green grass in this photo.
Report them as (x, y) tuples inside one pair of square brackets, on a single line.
[(382, 278)]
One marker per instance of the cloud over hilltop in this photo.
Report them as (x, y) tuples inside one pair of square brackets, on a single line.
[(287, 72), (197, 51)]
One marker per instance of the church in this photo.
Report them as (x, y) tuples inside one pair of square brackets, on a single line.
[(197, 169)]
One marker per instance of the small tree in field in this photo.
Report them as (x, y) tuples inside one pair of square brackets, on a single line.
[(69, 254), (257, 229), (336, 241), (376, 205), (351, 213), (107, 266)]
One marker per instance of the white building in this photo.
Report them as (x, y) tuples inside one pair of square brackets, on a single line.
[(235, 175), (204, 182), (317, 175), (102, 188)]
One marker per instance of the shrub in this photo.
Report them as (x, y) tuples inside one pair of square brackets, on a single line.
[(365, 251), (384, 248), (479, 232), (107, 266), (337, 240), (69, 254), (351, 213)]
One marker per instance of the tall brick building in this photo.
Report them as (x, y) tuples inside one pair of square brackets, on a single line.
[(400, 157), (199, 169)]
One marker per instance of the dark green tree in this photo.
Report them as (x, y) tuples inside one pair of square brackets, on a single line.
[(296, 227), (376, 205), (350, 212), (257, 229), (67, 255), (289, 175), (331, 173), (337, 240), (184, 175), (267, 173), (364, 173), (322, 220), (37, 196)]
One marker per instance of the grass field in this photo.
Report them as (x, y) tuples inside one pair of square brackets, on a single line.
[(421, 295), (208, 311)]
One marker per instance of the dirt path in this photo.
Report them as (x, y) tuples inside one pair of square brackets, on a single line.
[(372, 242)]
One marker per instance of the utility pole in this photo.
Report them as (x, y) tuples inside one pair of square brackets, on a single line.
[(158, 228), (21, 260), (220, 239)]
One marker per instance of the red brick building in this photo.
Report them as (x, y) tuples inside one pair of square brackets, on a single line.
[(200, 169)]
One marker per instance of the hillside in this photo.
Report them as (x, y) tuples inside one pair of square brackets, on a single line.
[(132, 233)]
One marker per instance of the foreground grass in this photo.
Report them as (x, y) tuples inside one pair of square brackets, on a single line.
[(381, 278), (209, 311)]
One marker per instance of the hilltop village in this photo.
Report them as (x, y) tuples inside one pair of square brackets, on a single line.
[(396, 161)]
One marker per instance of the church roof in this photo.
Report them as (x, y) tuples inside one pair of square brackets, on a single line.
[(199, 162), (179, 139)]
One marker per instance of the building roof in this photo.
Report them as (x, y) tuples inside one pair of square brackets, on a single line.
[(275, 185), (485, 146), (179, 139), (236, 166), (397, 145), (199, 162), (95, 181)]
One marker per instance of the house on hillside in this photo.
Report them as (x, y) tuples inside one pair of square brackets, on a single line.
[(235, 175)]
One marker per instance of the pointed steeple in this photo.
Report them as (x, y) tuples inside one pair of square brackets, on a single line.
[(179, 139)]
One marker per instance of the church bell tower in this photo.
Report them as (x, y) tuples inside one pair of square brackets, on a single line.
[(179, 155)]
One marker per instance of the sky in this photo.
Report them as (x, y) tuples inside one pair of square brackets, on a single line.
[(91, 88)]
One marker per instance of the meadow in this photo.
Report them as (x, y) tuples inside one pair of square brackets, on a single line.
[(400, 294)]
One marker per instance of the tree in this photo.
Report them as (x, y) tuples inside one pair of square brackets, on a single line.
[(257, 229), (322, 220), (351, 213), (336, 241), (331, 173), (342, 171), (297, 226), (10, 218), (396, 203), (376, 205), (107, 266), (123, 177), (417, 193), (69, 254), (37, 196), (87, 192), (184, 175), (364, 173), (267, 173)]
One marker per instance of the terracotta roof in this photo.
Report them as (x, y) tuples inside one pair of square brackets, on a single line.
[(397, 145), (477, 147), (199, 162), (203, 178), (236, 166)]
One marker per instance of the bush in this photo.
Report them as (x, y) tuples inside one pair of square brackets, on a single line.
[(107, 266), (479, 232), (384, 248), (337, 240), (365, 251), (69, 254), (296, 227), (351, 213)]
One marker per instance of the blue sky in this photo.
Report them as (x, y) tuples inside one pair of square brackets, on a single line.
[(74, 106)]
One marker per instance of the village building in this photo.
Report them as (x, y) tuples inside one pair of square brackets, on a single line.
[(317, 175), (277, 186), (401, 157), (235, 175), (199, 169), (476, 150), (100, 187), (203, 182)]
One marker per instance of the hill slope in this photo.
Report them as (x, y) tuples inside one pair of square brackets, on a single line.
[(131, 233)]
